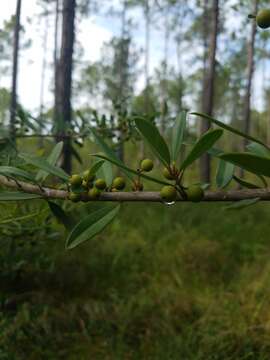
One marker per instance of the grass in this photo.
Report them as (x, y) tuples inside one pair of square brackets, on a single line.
[(179, 282)]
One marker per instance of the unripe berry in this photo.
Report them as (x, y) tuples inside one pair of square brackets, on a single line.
[(74, 197), (75, 180), (195, 193), (167, 174), (168, 193), (94, 193), (263, 18), (147, 165), (85, 184), (119, 183), (87, 176), (100, 184)]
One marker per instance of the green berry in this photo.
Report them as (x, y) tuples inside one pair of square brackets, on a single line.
[(87, 176), (94, 193), (263, 18), (168, 193), (167, 174), (85, 184), (119, 183), (195, 193), (100, 184), (75, 180), (74, 197), (147, 165)]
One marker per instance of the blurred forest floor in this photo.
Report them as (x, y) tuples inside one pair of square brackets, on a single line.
[(180, 282)]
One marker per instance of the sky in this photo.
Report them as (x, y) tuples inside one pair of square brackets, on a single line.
[(91, 33)]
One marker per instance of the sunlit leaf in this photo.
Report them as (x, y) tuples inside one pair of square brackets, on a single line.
[(90, 226)]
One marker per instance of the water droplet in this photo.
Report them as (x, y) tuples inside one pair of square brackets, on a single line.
[(169, 203)]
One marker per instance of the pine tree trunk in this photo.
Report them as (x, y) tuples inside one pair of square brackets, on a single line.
[(13, 100), (63, 88), (208, 87), (250, 72)]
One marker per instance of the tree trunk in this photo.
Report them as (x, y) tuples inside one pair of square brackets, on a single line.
[(123, 65), (250, 72), (13, 100), (63, 88), (208, 87)]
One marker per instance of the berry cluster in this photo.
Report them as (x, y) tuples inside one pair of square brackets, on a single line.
[(88, 187)]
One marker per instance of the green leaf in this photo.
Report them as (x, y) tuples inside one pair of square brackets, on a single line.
[(242, 204), (178, 134), (256, 164), (224, 174), (14, 172), (258, 149), (60, 215), (52, 159), (150, 178), (90, 226), (17, 196), (228, 128), (245, 183), (43, 164), (205, 143), (96, 166), (106, 172), (151, 134), (109, 152)]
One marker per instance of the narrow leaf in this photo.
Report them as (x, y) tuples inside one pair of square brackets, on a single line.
[(150, 178), (256, 164), (14, 172), (151, 134), (52, 159), (228, 128), (94, 169), (242, 204), (17, 196), (178, 134), (258, 149), (91, 225), (43, 164), (60, 215), (205, 143), (109, 152), (106, 172), (224, 174), (245, 183)]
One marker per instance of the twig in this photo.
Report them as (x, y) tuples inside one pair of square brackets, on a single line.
[(144, 196)]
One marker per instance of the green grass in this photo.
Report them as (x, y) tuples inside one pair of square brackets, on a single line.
[(179, 282)]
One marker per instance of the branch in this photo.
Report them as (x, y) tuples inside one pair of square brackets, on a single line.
[(147, 196)]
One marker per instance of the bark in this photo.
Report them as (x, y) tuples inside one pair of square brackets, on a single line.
[(208, 87), (63, 88), (16, 45), (250, 72)]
